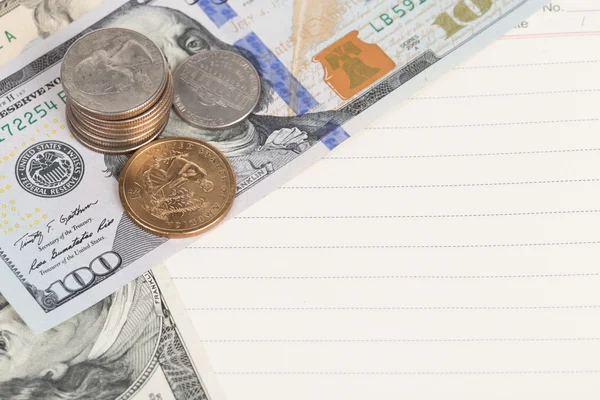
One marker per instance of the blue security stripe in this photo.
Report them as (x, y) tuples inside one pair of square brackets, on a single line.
[(218, 13), (332, 135), (284, 83)]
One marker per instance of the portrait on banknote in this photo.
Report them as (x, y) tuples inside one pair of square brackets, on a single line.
[(106, 352)]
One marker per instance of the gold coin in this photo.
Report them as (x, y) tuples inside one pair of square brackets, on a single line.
[(177, 187)]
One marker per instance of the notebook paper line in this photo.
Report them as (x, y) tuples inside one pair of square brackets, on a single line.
[(416, 156)]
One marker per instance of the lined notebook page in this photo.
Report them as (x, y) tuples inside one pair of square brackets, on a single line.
[(449, 251)]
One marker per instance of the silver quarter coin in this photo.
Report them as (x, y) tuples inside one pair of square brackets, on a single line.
[(113, 73), (216, 89)]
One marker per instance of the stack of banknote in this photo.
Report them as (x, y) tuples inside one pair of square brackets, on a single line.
[(82, 314)]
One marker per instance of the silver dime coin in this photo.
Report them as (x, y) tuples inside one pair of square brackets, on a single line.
[(216, 89), (113, 73)]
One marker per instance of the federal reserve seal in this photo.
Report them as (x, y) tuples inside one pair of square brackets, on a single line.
[(49, 169)]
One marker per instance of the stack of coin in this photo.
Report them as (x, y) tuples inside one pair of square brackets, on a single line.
[(119, 90)]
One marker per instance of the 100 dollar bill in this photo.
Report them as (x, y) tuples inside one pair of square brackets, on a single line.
[(327, 68)]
